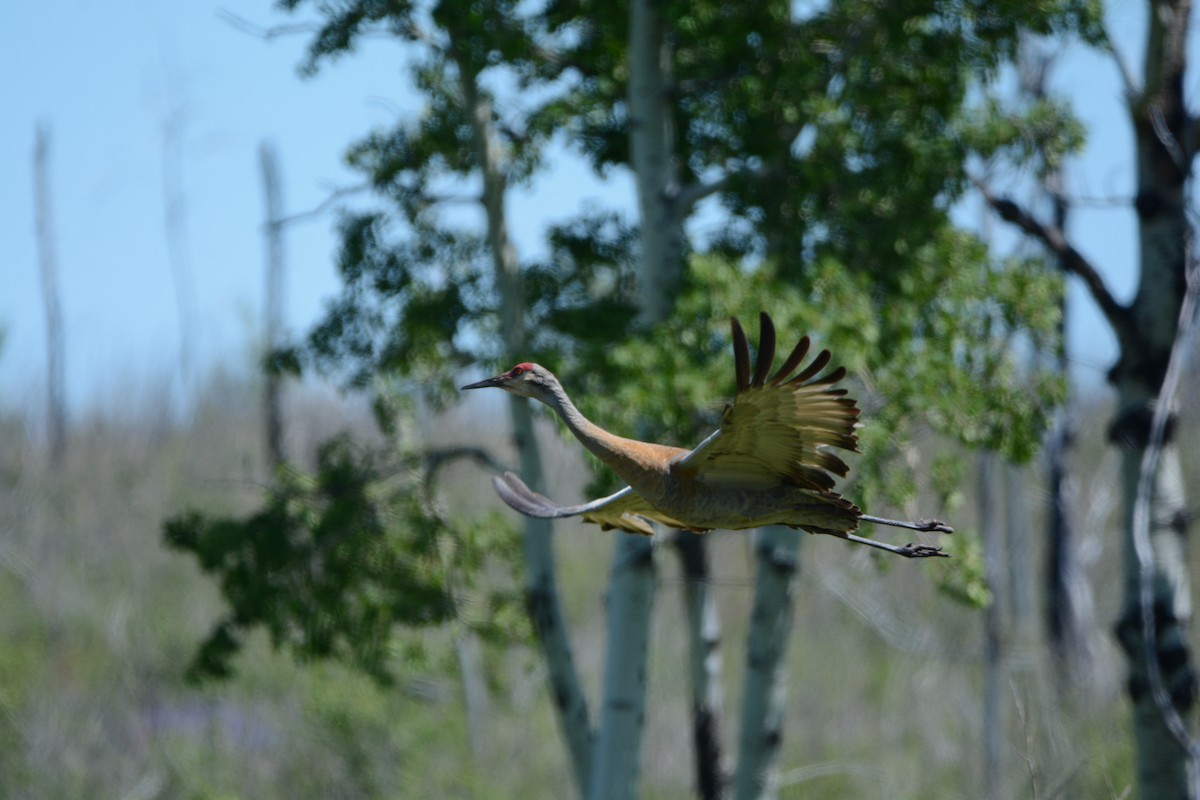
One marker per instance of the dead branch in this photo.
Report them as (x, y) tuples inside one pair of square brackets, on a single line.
[(322, 207), (1071, 260), (55, 394)]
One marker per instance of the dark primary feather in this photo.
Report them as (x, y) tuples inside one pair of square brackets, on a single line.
[(741, 356), (793, 361), (766, 349)]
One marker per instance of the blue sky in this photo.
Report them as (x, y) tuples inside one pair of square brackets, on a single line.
[(107, 77)]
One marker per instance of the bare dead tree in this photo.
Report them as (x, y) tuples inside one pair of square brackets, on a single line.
[(1067, 596), (175, 220), (272, 299), (993, 630), (56, 411)]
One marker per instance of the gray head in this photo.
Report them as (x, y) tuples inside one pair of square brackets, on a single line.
[(525, 379)]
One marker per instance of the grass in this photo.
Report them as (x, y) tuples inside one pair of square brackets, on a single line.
[(884, 672)]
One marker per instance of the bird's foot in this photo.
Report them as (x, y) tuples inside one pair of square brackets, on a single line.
[(911, 550), (935, 525)]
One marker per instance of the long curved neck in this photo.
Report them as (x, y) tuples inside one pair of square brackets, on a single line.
[(629, 458)]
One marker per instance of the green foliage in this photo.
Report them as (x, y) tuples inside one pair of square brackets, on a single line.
[(402, 305), (336, 565), (839, 122), (1042, 132), (840, 137)]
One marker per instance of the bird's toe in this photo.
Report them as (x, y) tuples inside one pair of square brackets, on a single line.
[(911, 550)]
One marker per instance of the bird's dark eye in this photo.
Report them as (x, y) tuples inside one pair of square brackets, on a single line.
[(518, 370)]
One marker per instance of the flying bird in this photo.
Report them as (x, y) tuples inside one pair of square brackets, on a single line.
[(771, 461)]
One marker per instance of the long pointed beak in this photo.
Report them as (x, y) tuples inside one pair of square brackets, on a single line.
[(496, 381)]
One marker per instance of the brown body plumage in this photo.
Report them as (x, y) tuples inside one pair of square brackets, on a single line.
[(771, 462)]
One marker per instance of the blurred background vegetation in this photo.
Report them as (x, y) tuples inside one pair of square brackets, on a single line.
[(101, 623)]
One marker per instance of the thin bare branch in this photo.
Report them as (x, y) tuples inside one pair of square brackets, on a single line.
[(268, 33), (1091, 201), (1133, 92), (322, 207), (262, 31), (1172, 145), (1071, 260), (434, 460)]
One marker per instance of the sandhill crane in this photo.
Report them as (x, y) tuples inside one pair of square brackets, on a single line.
[(769, 462)]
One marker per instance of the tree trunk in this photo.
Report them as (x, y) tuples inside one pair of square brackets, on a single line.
[(631, 589), (764, 691), (1067, 595), (175, 219), (545, 612), (1068, 598), (629, 604), (272, 301), (1163, 767), (652, 154), (541, 590), (1164, 155), (993, 643), (475, 691), (704, 637), (56, 407), (1017, 552)]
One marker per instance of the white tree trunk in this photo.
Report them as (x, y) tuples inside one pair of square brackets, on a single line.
[(541, 590), (652, 154), (1163, 765), (272, 300), (993, 654), (56, 406), (545, 612), (764, 690), (1164, 159), (631, 588), (629, 604), (175, 219), (704, 655)]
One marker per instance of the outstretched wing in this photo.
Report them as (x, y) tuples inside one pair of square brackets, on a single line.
[(624, 510), (780, 429)]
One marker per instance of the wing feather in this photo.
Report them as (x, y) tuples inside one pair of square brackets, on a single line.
[(741, 356), (766, 350), (793, 361), (782, 430)]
